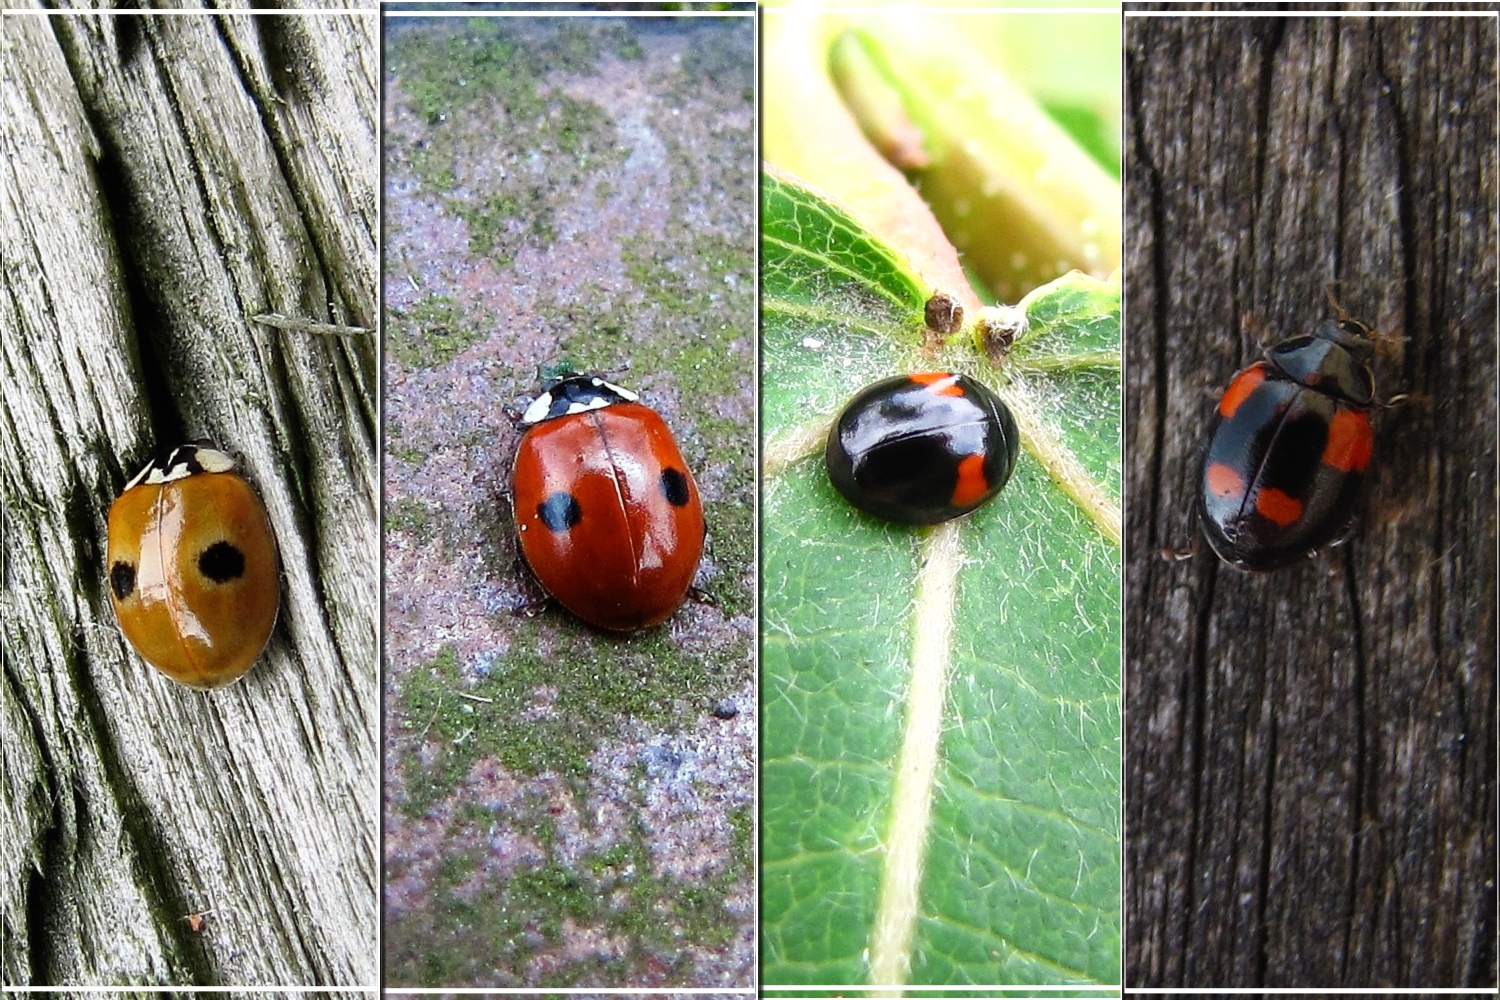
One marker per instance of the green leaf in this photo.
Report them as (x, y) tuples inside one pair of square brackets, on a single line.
[(941, 716)]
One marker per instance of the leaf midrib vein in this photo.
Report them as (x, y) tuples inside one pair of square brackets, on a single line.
[(933, 609)]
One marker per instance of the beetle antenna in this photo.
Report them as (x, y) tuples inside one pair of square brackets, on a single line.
[(1328, 291)]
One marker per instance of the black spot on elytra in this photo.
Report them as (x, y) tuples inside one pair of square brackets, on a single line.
[(221, 562), (122, 580), (559, 512), (674, 486)]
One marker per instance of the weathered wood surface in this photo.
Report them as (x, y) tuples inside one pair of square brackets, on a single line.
[(164, 180), (1311, 754)]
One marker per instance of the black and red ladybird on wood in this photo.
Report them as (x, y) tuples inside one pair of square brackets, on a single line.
[(1289, 447), (608, 515), (922, 449), (193, 573)]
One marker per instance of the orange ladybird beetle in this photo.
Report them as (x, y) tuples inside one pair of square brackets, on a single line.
[(608, 515), (193, 573)]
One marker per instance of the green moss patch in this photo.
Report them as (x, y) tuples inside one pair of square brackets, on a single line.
[(430, 333), (495, 924), (412, 518), (499, 144), (537, 712)]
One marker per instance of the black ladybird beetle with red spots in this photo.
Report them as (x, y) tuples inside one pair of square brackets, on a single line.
[(608, 515), (922, 449), (193, 573), (1289, 447)]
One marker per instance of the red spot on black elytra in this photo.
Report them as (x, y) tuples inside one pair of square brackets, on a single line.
[(1240, 389), (972, 483), (221, 562), (942, 383), (1223, 481), (1279, 507), (122, 580), (559, 512), (1350, 442)]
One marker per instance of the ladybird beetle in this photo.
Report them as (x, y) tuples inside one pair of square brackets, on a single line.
[(607, 513), (922, 449), (193, 572), (1288, 448)]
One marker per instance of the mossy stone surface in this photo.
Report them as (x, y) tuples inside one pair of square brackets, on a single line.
[(564, 808)]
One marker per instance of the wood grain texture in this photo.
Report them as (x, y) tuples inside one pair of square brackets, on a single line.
[(1311, 754), (164, 180)]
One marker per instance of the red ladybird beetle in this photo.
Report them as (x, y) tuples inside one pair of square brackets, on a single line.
[(193, 573), (1288, 448), (607, 512), (922, 449)]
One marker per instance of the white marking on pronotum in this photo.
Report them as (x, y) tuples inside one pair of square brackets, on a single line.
[(178, 466), (624, 393), (538, 409), (140, 477), (214, 461), (542, 405), (916, 762)]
